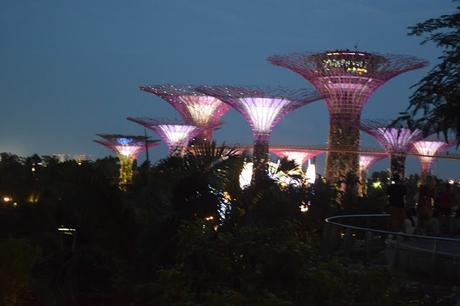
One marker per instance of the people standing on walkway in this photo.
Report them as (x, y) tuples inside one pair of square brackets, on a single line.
[(411, 222), (396, 193), (445, 202), (425, 202)]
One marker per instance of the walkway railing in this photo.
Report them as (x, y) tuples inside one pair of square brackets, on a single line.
[(366, 237)]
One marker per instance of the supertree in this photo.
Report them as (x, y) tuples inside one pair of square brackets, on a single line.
[(397, 141), (347, 79), (426, 151), (262, 108), (175, 134), (196, 108), (127, 147), (298, 154), (366, 160)]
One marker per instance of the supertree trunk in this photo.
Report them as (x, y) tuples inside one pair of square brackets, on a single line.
[(260, 161), (425, 166), (398, 164), (343, 136), (362, 188), (126, 171)]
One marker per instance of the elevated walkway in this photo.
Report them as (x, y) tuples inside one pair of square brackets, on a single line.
[(366, 238)]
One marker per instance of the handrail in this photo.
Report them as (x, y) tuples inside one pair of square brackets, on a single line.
[(328, 220)]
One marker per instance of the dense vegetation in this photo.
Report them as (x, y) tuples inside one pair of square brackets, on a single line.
[(174, 238)]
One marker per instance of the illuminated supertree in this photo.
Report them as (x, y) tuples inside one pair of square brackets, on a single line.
[(365, 162), (347, 79), (176, 135), (427, 151), (196, 108), (397, 141), (262, 108), (127, 148), (298, 155)]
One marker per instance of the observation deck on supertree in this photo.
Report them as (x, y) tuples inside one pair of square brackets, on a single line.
[(196, 108), (127, 147), (297, 154), (175, 134), (426, 151), (262, 108), (365, 162), (347, 79), (397, 141)]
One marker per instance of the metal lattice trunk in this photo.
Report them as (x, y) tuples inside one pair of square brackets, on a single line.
[(262, 108), (347, 79), (195, 108)]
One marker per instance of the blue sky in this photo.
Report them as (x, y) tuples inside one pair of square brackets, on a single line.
[(70, 69)]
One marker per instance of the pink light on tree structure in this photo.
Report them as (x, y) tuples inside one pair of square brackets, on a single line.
[(396, 140), (298, 155), (176, 135), (347, 79), (127, 148), (262, 108), (196, 108), (365, 162), (427, 151)]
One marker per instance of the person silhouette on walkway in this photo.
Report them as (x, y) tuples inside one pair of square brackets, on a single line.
[(396, 193)]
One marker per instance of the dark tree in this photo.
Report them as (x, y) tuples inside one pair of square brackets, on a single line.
[(435, 105)]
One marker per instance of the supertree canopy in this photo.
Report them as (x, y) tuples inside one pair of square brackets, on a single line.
[(347, 79), (366, 160), (397, 141), (426, 152), (127, 147), (297, 154), (262, 108), (196, 108), (176, 135)]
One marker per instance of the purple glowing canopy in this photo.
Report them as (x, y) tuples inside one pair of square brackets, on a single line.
[(126, 145), (427, 150), (262, 108), (297, 154), (195, 107), (368, 159), (175, 134), (347, 78), (395, 139)]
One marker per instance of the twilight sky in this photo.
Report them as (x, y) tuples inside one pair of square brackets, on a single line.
[(70, 69)]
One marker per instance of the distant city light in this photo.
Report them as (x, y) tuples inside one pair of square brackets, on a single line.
[(7, 199)]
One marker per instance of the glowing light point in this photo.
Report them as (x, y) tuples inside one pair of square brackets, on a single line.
[(347, 79), (127, 148), (176, 135), (262, 108), (397, 141), (195, 108)]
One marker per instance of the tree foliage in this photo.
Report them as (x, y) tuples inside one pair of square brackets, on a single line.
[(435, 105)]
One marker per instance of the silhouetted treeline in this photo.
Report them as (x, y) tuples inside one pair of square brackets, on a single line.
[(183, 233)]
